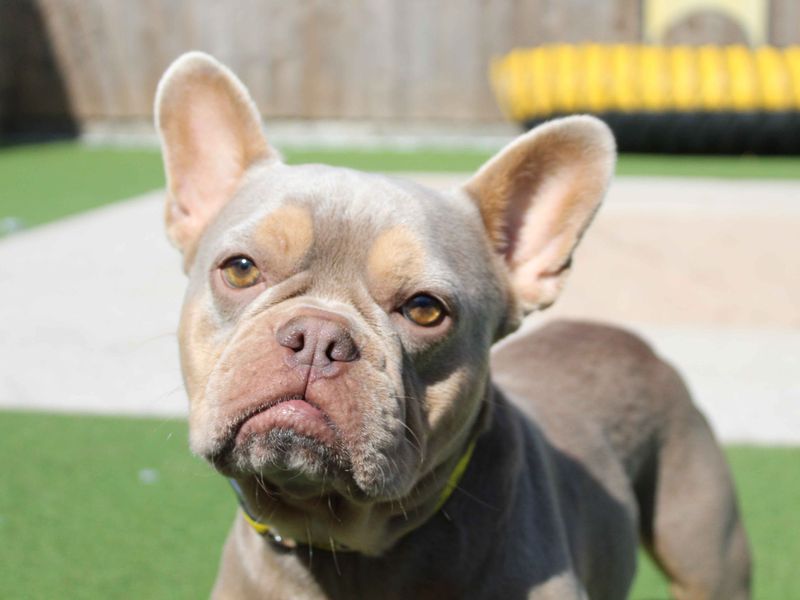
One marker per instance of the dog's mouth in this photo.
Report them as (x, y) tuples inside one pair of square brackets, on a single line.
[(294, 413), (286, 439)]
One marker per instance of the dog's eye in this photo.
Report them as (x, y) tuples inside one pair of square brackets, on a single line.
[(240, 272), (424, 310)]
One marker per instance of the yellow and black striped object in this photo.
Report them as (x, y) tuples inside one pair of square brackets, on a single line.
[(676, 99)]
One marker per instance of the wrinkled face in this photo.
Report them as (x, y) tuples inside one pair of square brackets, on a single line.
[(336, 331)]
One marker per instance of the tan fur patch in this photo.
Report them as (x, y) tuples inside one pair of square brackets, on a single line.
[(395, 259), (196, 336), (287, 234)]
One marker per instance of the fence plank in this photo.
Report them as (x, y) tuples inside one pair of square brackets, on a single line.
[(358, 59), (784, 22)]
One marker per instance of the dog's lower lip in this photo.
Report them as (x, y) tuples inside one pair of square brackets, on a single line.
[(295, 413)]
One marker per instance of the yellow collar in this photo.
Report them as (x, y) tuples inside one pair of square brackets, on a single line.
[(275, 537), (455, 476)]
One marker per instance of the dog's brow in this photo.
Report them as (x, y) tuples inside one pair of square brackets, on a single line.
[(289, 233), (395, 258)]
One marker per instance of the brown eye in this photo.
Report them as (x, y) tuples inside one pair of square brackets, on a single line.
[(240, 272), (424, 310)]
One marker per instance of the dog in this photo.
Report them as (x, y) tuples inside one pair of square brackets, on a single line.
[(336, 346)]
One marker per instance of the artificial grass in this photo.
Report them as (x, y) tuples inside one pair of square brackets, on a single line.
[(42, 183), (724, 167), (727, 167), (79, 521), (110, 507)]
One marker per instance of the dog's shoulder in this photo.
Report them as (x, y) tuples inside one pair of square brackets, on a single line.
[(577, 349), (588, 384)]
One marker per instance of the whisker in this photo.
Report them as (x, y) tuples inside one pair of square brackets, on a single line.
[(335, 558), (310, 547), (475, 498)]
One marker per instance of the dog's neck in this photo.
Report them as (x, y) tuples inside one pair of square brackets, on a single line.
[(272, 534), (372, 528), (477, 524)]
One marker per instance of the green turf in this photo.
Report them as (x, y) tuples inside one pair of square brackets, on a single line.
[(737, 167), (42, 183), (77, 520)]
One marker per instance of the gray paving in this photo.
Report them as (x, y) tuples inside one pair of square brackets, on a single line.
[(88, 314), (709, 271)]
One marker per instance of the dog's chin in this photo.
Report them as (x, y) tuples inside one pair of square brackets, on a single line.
[(287, 462), (290, 461), (293, 447)]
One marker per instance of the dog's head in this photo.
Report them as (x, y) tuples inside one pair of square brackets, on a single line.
[(336, 330)]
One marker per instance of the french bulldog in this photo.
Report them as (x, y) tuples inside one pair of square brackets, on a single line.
[(337, 345)]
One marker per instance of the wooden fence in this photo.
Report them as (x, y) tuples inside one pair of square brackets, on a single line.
[(364, 59), (414, 60)]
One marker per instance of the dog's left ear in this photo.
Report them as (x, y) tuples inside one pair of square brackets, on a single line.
[(538, 195), (210, 133)]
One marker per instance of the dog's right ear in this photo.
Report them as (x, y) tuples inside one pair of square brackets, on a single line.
[(538, 195), (210, 134)]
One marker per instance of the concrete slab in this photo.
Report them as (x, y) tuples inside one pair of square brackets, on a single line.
[(709, 271), (88, 314)]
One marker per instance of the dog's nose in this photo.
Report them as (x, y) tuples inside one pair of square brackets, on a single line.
[(317, 342)]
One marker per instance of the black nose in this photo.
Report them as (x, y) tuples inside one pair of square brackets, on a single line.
[(317, 342)]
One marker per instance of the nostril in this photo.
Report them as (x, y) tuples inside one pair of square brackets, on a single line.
[(342, 348), (299, 341), (330, 351), (295, 340)]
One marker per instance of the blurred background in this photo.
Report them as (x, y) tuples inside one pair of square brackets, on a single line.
[(91, 66), (697, 247)]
